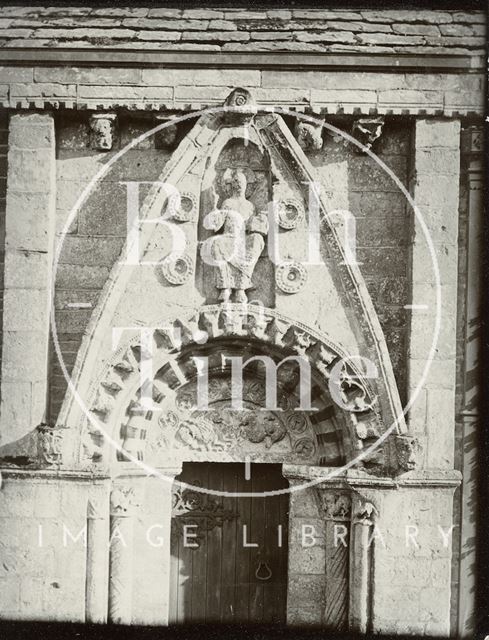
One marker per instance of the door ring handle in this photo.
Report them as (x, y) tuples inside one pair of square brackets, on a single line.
[(259, 572)]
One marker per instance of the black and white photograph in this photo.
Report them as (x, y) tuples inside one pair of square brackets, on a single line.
[(241, 283)]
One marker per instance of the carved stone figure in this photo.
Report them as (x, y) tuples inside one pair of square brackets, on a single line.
[(366, 512), (49, 444), (263, 428), (91, 451), (335, 505), (199, 434), (407, 452), (102, 126), (237, 248), (309, 135)]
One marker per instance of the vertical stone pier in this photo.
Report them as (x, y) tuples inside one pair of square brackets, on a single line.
[(29, 241)]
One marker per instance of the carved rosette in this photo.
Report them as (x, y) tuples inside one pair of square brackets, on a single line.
[(290, 213), (177, 268), (183, 208), (290, 277)]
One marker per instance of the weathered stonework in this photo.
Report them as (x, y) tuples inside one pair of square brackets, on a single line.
[(397, 572)]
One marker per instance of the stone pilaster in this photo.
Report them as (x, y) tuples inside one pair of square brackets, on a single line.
[(152, 547), (97, 566), (307, 551), (435, 188), (29, 241)]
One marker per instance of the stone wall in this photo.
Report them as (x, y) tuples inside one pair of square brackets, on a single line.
[(412, 532), (42, 573)]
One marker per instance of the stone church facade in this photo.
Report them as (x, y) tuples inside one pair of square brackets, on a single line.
[(317, 126)]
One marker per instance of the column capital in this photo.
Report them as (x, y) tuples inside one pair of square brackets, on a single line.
[(124, 501)]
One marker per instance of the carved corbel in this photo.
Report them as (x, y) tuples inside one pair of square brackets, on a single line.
[(41, 447), (102, 130), (367, 131), (309, 135), (408, 449), (166, 138), (241, 106)]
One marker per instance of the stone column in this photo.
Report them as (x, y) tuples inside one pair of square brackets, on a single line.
[(29, 241), (435, 188), (123, 504), (335, 508), (359, 613), (97, 565)]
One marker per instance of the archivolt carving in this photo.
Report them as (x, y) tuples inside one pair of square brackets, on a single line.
[(182, 428)]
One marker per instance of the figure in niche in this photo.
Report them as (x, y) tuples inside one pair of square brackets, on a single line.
[(236, 249)]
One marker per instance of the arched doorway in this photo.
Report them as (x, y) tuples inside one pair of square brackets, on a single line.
[(229, 553)]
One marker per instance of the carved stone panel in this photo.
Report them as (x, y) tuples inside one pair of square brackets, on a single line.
[(233, 265), (223, 433)]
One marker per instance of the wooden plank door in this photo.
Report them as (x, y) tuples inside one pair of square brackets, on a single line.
[(237, 570)]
